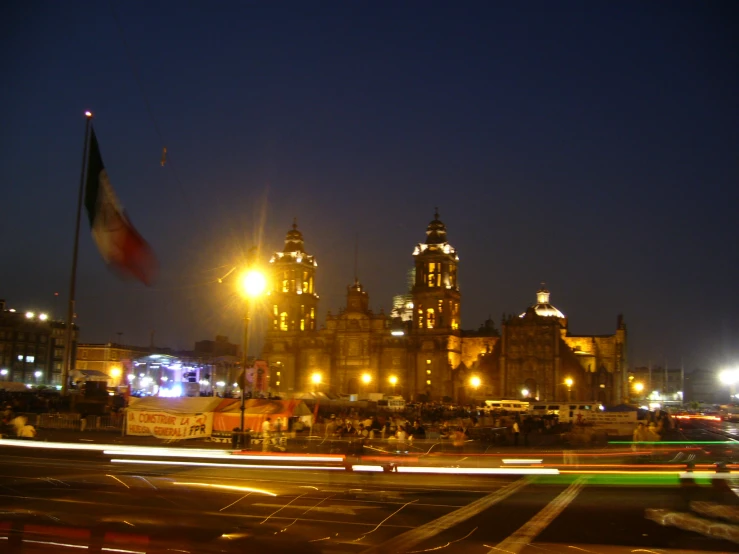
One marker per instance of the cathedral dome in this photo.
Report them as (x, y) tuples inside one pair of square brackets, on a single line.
[(436, 230), (294, 239), (543, 307)]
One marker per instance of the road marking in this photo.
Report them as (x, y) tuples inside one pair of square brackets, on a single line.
[(409, 539), (531, 529)]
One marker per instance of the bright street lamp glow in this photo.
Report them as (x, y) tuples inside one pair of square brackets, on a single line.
[(729, 376), (475, 381), (43, 317), (569, 382), (3, 371), (38, 373), (253, 283), (524, 392), (115, 372), (393, 380), (638, 387), (316, 378), (366, 378), (130, 377), (29, 315)]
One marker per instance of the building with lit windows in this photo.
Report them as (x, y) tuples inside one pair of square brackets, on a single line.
[(32, 347), (359, 351), (420, 350)]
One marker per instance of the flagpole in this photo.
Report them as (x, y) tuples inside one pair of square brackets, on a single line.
[(66, 368)]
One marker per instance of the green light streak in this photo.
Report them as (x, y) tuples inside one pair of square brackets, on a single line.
[(674, 442)]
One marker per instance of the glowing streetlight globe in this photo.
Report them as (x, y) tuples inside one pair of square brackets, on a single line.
[(366, 378), (524, 392), (638, 387), (393, 380), (475, 381), (316, 378), (729, 376), (569, 382), (252, 283), (115, 372)]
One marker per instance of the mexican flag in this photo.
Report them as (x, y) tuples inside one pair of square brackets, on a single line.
[(120, 245)]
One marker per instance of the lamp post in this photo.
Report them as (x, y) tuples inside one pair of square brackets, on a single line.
[(638, 388), (730, 377), (475, 382), (252, 284), (569, 382), (366, 379), (316, 378), (393, 381)]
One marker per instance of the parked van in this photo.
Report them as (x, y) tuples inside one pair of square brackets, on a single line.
[(513, 406), (392, 403), (566, 412)]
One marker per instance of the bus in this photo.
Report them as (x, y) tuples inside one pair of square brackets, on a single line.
[(513, 406)]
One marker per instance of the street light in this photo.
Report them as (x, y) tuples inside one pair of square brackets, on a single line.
[(366, 379), (251, 283), (569, 382), (525, 393), (393, 381), (475, 382), (316, 378)]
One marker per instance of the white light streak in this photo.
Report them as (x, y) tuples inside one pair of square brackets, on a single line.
[(214, 464), (479, 470)]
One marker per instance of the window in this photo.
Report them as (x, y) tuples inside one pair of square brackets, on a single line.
[(302, 324), (428, 372), (283, 321), (274, 310), (428, 381), (430, 318), (30, 359)]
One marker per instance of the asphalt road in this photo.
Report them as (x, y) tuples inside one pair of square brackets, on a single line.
[(62, 497)]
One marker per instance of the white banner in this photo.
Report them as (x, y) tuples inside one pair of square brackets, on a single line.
[(164, 425), (614, 423)]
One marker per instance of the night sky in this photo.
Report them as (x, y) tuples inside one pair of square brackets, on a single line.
[(590, 145)]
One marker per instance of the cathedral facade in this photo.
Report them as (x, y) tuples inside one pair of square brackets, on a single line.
[(420, 350)]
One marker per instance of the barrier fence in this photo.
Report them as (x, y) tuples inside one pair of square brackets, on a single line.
[(71, 421)]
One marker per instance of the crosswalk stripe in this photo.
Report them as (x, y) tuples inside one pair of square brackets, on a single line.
[(409, 539), (531, 529)]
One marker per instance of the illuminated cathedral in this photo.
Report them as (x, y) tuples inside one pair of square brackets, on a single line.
[(420, 350)]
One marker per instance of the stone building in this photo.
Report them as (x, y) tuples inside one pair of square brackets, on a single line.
[(420, 350), (359, 351), (538, 358)]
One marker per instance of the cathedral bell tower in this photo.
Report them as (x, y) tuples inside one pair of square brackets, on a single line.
[(292, 296), (435, 290), (435, 333)]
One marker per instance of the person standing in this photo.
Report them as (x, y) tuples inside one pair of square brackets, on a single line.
[(516, 431)]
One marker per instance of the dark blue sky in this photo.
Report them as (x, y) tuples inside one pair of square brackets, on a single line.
[(591, 145)]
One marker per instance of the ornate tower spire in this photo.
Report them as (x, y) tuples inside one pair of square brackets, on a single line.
[(292, 293), (435, 291)]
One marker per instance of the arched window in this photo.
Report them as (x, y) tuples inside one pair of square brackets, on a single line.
[(430, 318), (283, 321)]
